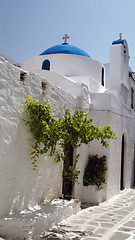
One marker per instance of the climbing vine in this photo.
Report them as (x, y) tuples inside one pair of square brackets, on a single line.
[(67, 132)]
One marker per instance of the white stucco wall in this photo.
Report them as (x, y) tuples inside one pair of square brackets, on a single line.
[(67, 65), (20, 186), (66, 87), (90, 82), (119, 66), (115, 67), (60, 81), (106, 67), (107, 108)]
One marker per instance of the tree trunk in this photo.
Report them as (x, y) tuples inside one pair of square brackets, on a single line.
[(67, 183)]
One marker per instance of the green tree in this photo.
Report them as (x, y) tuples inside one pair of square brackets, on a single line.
[(68, 132)]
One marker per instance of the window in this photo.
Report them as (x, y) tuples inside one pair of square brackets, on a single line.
[(132, 98), (46, 65), (124, 49), (102, 77)]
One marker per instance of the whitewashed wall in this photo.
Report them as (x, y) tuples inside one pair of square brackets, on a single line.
[(107, 108), (90, 82), (67, 65), (20, 186), (119, 66)]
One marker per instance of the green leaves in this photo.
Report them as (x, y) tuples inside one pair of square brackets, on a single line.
[(50, 133)]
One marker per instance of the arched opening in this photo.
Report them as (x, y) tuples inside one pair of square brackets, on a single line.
[(122, 163), (132, 98), (102, 77), (46, 65)]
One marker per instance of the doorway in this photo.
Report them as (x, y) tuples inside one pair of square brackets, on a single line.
[(122, 163)]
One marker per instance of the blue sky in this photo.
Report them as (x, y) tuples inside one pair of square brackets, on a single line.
[(28, 27)]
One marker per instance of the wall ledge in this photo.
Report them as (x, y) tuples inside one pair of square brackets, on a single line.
[(31, 223)]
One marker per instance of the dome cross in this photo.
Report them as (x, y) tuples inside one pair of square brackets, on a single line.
[(65, 38), (120, 35)]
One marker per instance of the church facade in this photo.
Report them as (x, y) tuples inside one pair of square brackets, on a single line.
[(110, 90), (68, 78)]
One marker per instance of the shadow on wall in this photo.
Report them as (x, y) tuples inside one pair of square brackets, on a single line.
[(27, 187)]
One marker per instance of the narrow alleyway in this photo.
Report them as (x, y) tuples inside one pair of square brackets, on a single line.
[(111, 220)]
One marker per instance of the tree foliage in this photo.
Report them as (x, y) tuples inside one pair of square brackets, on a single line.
[(50, 133)]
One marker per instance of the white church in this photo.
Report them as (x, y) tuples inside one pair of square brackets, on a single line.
[(68, 78)]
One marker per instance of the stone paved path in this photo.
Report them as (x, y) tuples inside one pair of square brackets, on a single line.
[(111, 220)]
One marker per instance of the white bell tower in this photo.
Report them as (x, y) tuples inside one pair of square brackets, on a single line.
[(119, 64)]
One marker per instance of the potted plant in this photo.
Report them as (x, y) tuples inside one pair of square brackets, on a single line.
[(94, 179)]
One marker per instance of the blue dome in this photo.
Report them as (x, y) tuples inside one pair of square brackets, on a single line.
[(119, 41), (65, 48)]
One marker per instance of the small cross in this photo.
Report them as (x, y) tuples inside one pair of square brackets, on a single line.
[(120, 35), (65, 37)]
